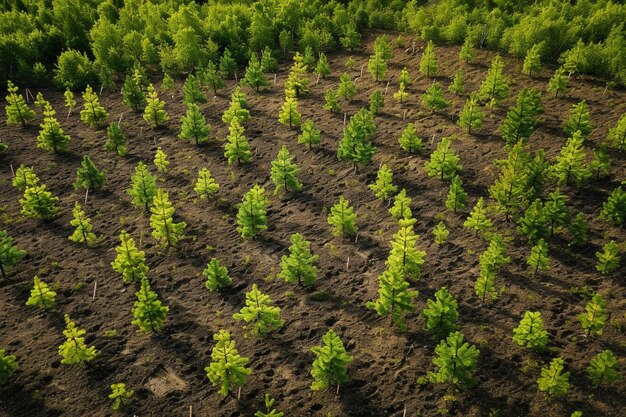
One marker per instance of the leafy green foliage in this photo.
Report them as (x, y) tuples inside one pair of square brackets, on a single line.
[(614, 208), (617, 134), (603, 369), (608, 258), (164, 229), (471, 117), (83, 228), (444, 162), (194, 126), (428, 62), (322, 68), (556, 212), (601, 163), (377, 67), (298, 80), (383, 187), (579, 230), (148, 312), (70, 101), (356, 144), (160, 160), (116, 139), (346, 88), (578, 120), (404, 255), (120, 395), (41, 295), (534, 223), (93, 114), (299, 265), (216, 276), (467, 50), (192, 91), (394, 298), (289, 114), (553, 380), (255, 77), (236, 148), (130, 261), (521, 119), (10, 254), (227, 368), (330, 101), (330, 366), (39, 203), (433, 97), (51, 136), (284, 172), (478, 219), (455, 361), (16, 109), (538, 258), (593, 319), (270, 411), (143, 187), (133, 94), (441, 233), (212, 77), (205, 185), (88, 175), (495, 86), (456, 195), (410, 141), (343, 218), (401, 95), (268, 62), (310, 134), (558, 82), (154, 112), (8, 366), (401, 208), (259, 312), (441, 314), (24, 177), (458, 85), (404, 77), (530, 332), (74, 350), (251, 217), (532, 61), (570, 166), (377, 102)]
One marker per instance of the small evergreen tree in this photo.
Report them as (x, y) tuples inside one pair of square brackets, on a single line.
[(8, 366), (205, 185), (471, 117), (441, 314), (254, 77), (467, 50), (149, 314), (192, 91), (401, 95), (383, 187), (167, 83), (160, 160), (164, 230), (194, 126), (556, 212), (377, 67), (330, 366), (401, 208), (553, 380), (410, 141), (428, 62), (594, 318), (10, 254), (343, 218), (458, 85), (532, 61), (578, 120), (322, 68), (216, 276), (251, 217), (456, 195), (297, 80), (558, 82), (24, 177), (617, 134), (92, 113), (133, 94), (521, 119), (299, 265), (40, 102), (455, 361), (351, 39), (120, 395), (227, 368), (70, 101), (603, 369), (16, 109), (51, 136), (310, 134), (394, 298), (116, 139), (356, 144), (404, 77), (88, 175), (39, 203), (284, 172), (534, 223), (377, 102), (236, 148), (530, 332), (441, 233), (41, 295), (154, 112), (614, 208), (268, 62), (289, 115), (478, 219), (228, 65), (259, 312), (270, 411), (383, 47), (485, 285), (83, 228), (404, 255), (570, 166), (495, 86), (130, 261), (347, 88), (601, 163), (608, 258), (538, 258), (330, 101), (212, 77), (143, 188), (579, 230), (444, 162), (433, 97), (74, 350)]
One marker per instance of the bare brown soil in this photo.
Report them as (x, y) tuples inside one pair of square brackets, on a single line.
[(167, 370)]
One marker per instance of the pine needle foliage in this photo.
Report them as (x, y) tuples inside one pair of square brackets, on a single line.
[(428, 62), (116, 139), (554, 381), (346, 88), (495, 86), (478, 219), (603, 368), (192, 91), (471, 117), (330, 101), (322, 68), (133, 94), (82, 227), (401, 96), (579, 231), (456, 195), (356, 144), (16, 109), (24, 177), (532, 61), (51, 137), (120, 395), (236, 148), (39, 203), (93, 114), (343, 218), (570, 166), (594, 318), (143, 187), (216, 276), (259, 312), (149, 315), (10, 254), (252, 214), (89, 176), (383, 188), (8, 366), (155, 113), (441, 233), (410, 141), (441, 313), (558, 82), (205, 185), (227, 368), (194, 126), (456, 361), (401, 208), (330, 367), (433, 98), (530, 332), (160, 160), (299, 265), (129, 261), (534, 224), (41, 295), (212, 77), (289, 115), (255, 77), (74, 350), (270, 411), (614, 208), (377, 102), (556, 212), (458, 85), (608, 258), (617, 134), (404, 255), (377, 67), (394, 297), (310, 135), (538, 258), (578, 120), (166, 232), (521, 119), (444, 162)]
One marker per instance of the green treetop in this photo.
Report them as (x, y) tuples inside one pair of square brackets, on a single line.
[(92, 113), (377, 102), (603, 368), (212, 77), (268, 62), (347, 88), (534, 223), (83, 228), (70, 101), (444, 162), (255, 77), (160, 160), (570, 166), (322, 68), (521, 119), (51, 136), (617, 134), (289, 115), (456, 195), (8, 366), (236, 148), (251, 217), (608, 258), (404, 255), (16, 109), (401, 96), (455, 361), (394, 298), (330, 101), (205, 185), (558, 82), (88, 175), (9, 253), (330, 366), (310, 134), (532, 61), (401, 208), (24, 177), (343, 218), (410, 141), (377, 66), (143, 188), (41, 295), (148, 312), (192, 91), (404, 77), (441, 233), (351, 38), (383, 188), (495, 86), (154, 112), (530, 332), (579, 230), (120, 395), (259, 313), (471, 117), (298, 80), (467, 50), (458, 85), (194, 126), (553, 380), (614, 208), (433, 97), (356, 144), (228, 65), (133, 94), (74, 350), (538, 258), (216, 275), (284, 172), (116, 139), (441, 314), (556, 212), (478, 219), (578, 120), (299, 265), (270, 411), (39, 203), (130, 261), (593, 319), (382, 46), (164, 230), (428, 62), (227, 368)]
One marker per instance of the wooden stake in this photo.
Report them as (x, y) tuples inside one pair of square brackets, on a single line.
[(95, 286), (413, 48), (86, 194), (236, 80), (101, 88), (191, 411), (387, 86), (356, 239), (274, 78), (239, 393), (337, 389), (404, 114), (316, 82), (362, 70), (12, 172), (404, 413), (344, 118), (348, 263)]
